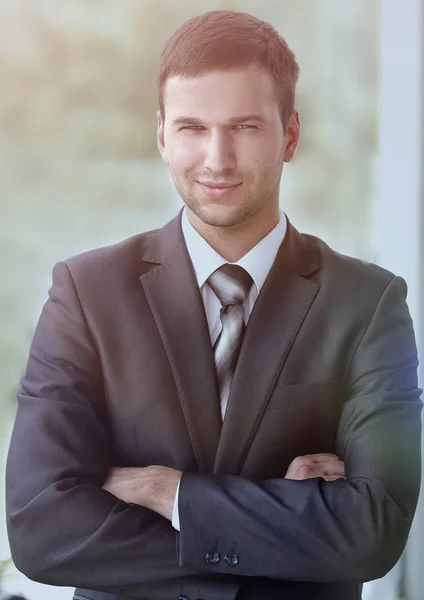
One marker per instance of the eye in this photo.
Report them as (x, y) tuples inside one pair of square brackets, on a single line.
[(195, 127)]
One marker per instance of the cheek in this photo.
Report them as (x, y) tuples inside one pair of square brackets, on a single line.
[(271, 157), (257, 153), (184, 155)]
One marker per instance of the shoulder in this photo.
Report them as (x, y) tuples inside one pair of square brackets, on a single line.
[(348, 274), (110, 262)]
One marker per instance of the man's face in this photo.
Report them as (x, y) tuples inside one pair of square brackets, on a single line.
[(250, 153)]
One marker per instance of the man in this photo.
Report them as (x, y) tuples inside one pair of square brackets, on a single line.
[(222, 408)]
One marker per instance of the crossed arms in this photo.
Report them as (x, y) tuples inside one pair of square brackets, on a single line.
[(66, 529)]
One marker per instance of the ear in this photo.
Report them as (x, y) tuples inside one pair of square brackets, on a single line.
[(160, 138), (292, 136)]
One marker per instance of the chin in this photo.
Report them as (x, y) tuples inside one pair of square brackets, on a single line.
[(221, 215)]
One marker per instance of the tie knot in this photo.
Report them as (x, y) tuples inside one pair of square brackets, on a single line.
[(231, 284)]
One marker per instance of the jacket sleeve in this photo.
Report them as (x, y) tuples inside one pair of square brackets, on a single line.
[(63, 528), (351, 530)]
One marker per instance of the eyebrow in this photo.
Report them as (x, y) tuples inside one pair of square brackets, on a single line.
[(232, 121)]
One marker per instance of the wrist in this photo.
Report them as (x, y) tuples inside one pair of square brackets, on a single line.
[(149, 489), (159, 489)]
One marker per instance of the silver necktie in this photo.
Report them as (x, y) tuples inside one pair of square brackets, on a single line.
[(231, 284)]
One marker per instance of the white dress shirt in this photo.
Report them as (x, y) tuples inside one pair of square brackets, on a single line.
[(257, 262)]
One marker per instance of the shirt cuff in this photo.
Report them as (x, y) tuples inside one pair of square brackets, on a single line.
[(175, 514)]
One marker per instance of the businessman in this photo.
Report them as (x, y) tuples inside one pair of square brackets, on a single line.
[(225, 407)]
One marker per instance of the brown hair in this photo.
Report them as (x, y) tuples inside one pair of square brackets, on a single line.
[(226, 39)]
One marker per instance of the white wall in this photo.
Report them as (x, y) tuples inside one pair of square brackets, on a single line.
[(399, 221)]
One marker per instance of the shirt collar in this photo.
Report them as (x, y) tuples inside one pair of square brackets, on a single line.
[(257, 262)]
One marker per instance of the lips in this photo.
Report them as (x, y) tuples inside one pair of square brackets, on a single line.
[(219, 190), (219, 186)]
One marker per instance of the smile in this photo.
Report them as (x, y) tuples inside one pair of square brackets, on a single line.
[(218, 192)]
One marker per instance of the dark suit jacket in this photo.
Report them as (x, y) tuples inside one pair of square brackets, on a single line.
[(121, 372)]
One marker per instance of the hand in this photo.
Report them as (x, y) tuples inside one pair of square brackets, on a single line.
[(154, 487), (126, 483), (323, 465)]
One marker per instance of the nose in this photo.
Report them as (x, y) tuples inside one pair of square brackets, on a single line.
[(220, 153)]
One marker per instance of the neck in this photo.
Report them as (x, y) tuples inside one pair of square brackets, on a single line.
[(233, 242)]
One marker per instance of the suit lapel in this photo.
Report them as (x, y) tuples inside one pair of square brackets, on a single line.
[(276, 318), (175, 301)]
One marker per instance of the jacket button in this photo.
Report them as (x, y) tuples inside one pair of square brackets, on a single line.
[(212, 558), (231, 559)]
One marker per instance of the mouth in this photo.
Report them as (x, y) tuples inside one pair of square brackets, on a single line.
[(218, 185), (218, 190)]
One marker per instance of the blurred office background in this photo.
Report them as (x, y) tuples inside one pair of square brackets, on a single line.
[(79, 166)]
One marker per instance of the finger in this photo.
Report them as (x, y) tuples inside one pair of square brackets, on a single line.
[(320, 458), (322, 470), (333, 477), (309, 471), (331, 468)]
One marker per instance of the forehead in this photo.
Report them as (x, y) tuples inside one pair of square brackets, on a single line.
[(221, 93)]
